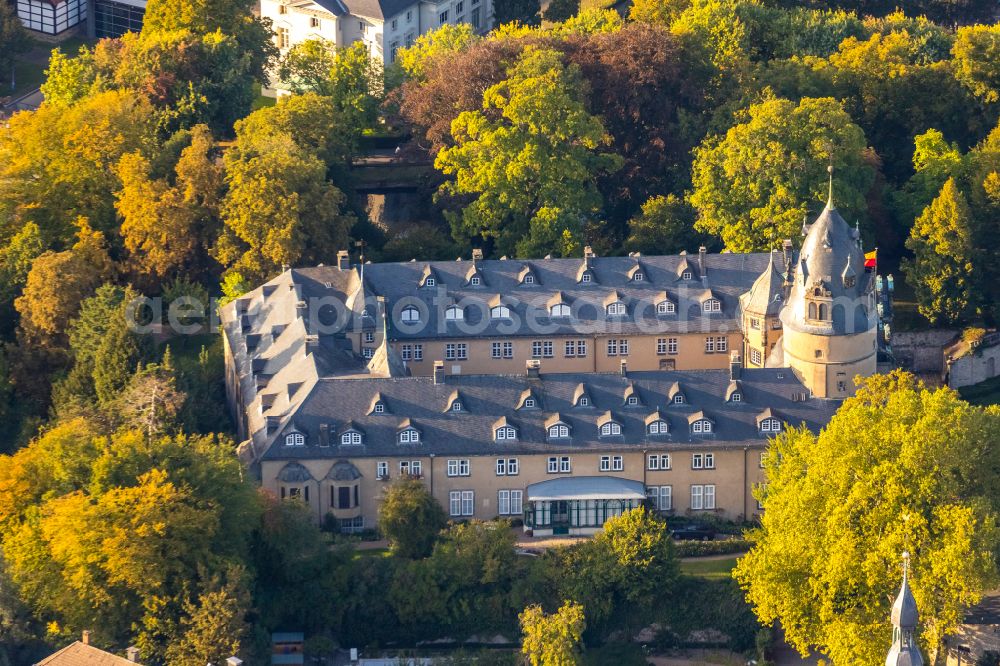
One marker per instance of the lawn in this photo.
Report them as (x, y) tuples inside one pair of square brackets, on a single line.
[(984, 393), (29, 71), (712, 568), (363, 553)]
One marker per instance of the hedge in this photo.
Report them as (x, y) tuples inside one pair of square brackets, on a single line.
[(699, 548)]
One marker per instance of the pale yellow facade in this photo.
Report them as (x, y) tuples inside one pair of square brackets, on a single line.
[(734, 474), (828, 364)]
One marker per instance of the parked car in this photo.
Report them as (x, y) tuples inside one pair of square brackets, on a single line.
[(693, 532)]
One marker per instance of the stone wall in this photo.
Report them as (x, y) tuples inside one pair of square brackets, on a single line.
[(976, 366), (922, 352)]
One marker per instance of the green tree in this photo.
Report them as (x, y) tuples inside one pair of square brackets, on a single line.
[(114, 362), (560, 10), (348, 76), (410, 518), (661, 12), (943, 269), (448, 38), (15, 264), (665, 226), (214, 627), (552, 640), (98, 314), (14, 41), (534, 168), (754, 186), (525, 12), (897, 469), (69, 79), (976, 58)]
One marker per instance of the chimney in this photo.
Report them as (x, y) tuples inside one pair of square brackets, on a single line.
[(477, 255), (786, 250), (132, 654), (439, 372), (533, 368), (624, 368), (85, 637), (344, 260), (735, 365), (701, 262)]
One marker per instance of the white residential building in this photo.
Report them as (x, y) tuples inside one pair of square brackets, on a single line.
[(383, 25)]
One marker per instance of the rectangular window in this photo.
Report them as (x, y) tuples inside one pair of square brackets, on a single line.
[(697, 461), (406, 352), (661, 346), (404, 467), (496, 350), (361, 26), (721, 343), (369, 336), (612, 348), (536, 349), (516, 502), (623, 347), (508, 350), (282, 9), (564, 465), (443, 17), (569, 350), (503, 502), (456, 351), (755, 323), (709, 345), (710, 497), (409, 16), (314, 22), (283, 38), (393, 50), (617, 463), (475, 20), (395, 24), (755, 357), (709, 461), (697, 498), (382, 469), (605, 463), (416, 468), (501, 467), (671, 345), (513, 467), (455, 503), (666, 498), (581, 348), (763, 459), (468, 502), (458, 467), (459, 6), (553, 465), (418, 352), (547, 349)]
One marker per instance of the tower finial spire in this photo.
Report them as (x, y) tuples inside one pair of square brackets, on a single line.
[(904, 651), (829, 201)]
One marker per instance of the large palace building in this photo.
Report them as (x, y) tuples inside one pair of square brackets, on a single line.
[(559, 391)]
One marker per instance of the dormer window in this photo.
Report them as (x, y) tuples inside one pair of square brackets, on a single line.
[(586, 278), (637, 276), (528, 279), (529, 403), (456, 406), (665, 307), (379, 408), (475, 281), (686, 275), (295, 439), (505, 433), (770, 425), (849, 281), (611, 428), (409, 436), (711, 305), (678, 399), (559, 431), (430, 282), (559, 310), (701, 426), (632, 401), (736, 397), (454, 313), (500, 312), (658, 427), (350, 437), (616, 309), (584, 401), (410, 315)]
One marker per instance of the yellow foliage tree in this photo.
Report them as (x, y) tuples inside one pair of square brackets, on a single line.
[(552, 640)]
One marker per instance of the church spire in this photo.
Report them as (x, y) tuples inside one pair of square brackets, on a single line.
[(904, 651)]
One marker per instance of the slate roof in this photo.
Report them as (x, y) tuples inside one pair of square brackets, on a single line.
[(766, 296), (378, 9), (725, 276), (80, 654), (831, 252), (489, 398)]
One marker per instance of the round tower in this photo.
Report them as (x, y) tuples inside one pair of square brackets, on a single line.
[(829, 319), (904, 651)]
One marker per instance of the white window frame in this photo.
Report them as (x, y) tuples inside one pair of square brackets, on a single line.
[(666, 307), (586, 278), (558, 431), (458, 467), (416, 468), (617, 463), (500, 312), (350, 437), (516, 502), (559, 310), (456, 406), (382, 469), (697, 497), (709, 461), (565, 465), (721, 343), (755, 357), (454, 313), (410, 315), (611, 429), (513, 467), (711, 305), (409, 436), (552, 465), (658, 427), (468, 502), (686, 275), (295, 439), (430, 282), (455, 503), (503, 502), (605, 464), (616, 309), (505, 433)]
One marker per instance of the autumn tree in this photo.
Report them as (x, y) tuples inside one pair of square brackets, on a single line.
[(410, 518), (754, 186), (662, 12), (665, 226), (533, 169), (976, 58), (552, 640), (214, 627), (943, 270), (897, 469), (169, 226)]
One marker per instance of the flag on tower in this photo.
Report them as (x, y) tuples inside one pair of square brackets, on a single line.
[(870, 259)]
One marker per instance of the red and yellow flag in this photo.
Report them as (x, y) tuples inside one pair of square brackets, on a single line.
[(870, 259)]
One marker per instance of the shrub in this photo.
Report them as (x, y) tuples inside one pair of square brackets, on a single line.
[(699, 548)]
